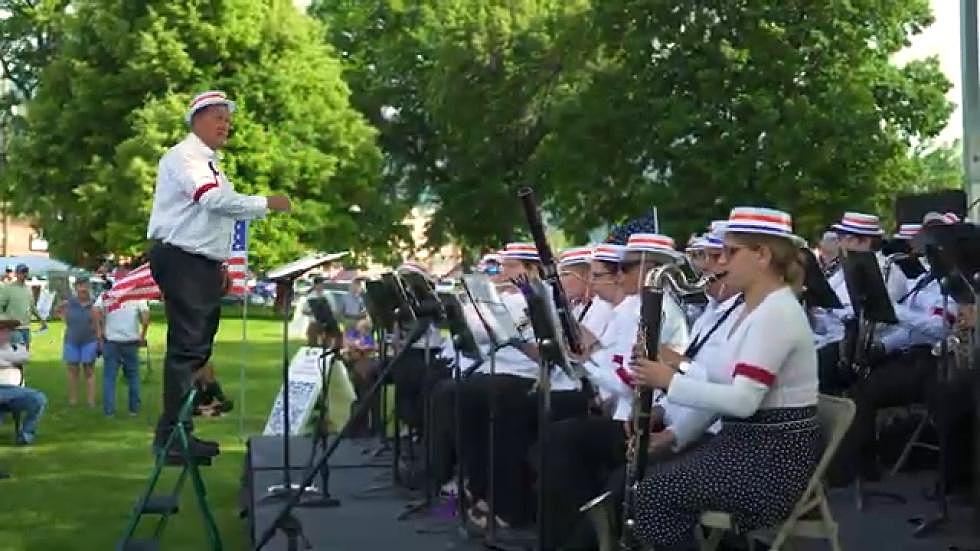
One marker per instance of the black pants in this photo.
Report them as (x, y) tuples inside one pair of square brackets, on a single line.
[(899, 380), (412, 376), (582, 454), (834, 378), (192, 287), (515, 430)]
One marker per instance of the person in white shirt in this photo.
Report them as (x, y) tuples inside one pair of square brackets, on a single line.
[(121, 331), (192, 225), (14, 394), (511, 391), (759, 463)]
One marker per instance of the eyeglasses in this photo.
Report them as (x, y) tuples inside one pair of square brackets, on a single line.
[(729, 251), (595, 276)]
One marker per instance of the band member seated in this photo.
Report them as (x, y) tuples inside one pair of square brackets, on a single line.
[(856, 232), (584, 452), (414, 376), (323, 329), (511, 392), (765, 391), (904, 370)]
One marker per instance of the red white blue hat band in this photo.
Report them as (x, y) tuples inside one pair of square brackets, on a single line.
[(575, 255), (908, 231), (859, 224), (651, 243), (609, 252), (204, 99), (757, 220), (521, 251)]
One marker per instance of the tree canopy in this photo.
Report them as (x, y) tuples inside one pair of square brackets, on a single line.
[(112, 99), (609, 108)]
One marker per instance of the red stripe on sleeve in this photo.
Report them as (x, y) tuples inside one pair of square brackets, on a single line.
[(755, 373), (204, 189)]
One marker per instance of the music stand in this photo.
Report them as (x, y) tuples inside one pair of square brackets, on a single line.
[(816, 291), (427, 309), (285, 278), (953, 252), (551, 354)]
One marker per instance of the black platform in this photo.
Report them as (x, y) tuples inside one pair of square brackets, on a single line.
[(371, 523)]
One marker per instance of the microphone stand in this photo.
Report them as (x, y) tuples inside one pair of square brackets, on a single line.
[(285, 520), (320, 433)]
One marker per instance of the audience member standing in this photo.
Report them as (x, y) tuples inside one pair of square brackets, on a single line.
[(81, 346), (17, 302), (122, 331)]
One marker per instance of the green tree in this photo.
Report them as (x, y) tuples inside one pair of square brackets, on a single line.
[(471, 85), (112, 101), (609, 108)]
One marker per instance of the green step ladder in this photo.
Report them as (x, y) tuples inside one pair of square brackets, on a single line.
[(163, 506)]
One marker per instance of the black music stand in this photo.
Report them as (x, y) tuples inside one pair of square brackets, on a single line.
[(285, 278), (427, 309), (816, 291), (954, 259), (464, 345), (387, 304), (871, 305), (551, 355)]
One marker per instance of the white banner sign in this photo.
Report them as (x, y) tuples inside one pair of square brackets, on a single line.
[(305, 384)]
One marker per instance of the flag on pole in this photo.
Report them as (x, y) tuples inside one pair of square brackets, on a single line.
[(136, 285), (238, 261)]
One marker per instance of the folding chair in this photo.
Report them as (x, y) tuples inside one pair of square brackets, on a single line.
[(835, 415)]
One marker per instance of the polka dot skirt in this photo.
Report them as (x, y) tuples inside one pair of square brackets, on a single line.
[(755, 469)]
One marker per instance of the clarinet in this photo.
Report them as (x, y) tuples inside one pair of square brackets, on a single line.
[(549, 273), (651, 313)]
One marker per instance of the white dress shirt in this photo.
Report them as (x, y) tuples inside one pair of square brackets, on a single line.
[(194, 204)]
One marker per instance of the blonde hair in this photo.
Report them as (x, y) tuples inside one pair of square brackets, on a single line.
[(786, 261)]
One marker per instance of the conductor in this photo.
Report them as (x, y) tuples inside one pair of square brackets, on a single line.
[(191, 228)]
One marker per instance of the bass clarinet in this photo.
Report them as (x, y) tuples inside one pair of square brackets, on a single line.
[(601, 510)]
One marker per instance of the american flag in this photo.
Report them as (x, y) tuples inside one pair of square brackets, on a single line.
[(136, 285), (238, 261)]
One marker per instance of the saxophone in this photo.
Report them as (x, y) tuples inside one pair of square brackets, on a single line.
[(601, 510)]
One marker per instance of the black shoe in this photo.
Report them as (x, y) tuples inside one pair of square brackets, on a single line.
[(196, 447), (213, 447)]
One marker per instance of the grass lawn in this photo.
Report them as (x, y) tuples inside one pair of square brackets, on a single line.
[(74, 489)]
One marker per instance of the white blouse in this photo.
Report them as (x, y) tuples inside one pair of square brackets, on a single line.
[(772, 359)]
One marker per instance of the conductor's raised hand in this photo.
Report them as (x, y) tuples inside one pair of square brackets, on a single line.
[(279, 203)]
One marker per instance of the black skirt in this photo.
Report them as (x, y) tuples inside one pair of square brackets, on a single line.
[(755, 469)]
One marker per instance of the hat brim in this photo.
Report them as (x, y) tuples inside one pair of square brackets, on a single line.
[(843, 229), (792, 237), (208, 103)]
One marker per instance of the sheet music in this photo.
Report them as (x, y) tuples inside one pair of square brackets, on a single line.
[(485, 297)]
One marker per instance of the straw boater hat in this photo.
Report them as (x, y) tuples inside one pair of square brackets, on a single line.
[(521, 251), (907, 232), (575, 256), (609, 252), (857, 223), (695, 244), (755, 220), (653, 243), (715, 239), (204, 99)]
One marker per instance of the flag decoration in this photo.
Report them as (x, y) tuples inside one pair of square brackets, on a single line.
[(136, 285), (238, 261)]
